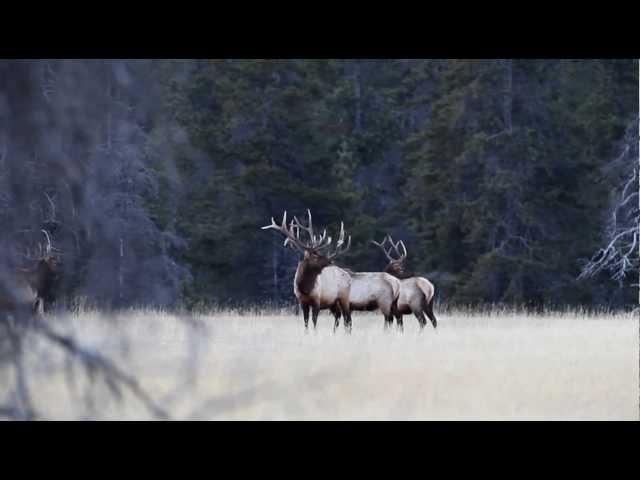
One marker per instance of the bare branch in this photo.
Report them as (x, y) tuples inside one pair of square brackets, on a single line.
[(98, 363)]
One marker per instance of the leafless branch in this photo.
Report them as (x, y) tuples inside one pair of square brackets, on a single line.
[(93, 362), (97, 363), (621, 256)]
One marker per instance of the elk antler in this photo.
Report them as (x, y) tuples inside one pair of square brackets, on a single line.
[(401, 256), (381, 245), (35, 251), (315, 243), (309, 229), (339, 249), (394, 246), (291, 238), (48, 249)]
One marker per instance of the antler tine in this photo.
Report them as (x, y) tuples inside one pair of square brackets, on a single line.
[(385, 251), (404, 249), (339, 245), (388, 253), (340, 249), (308, 229), (310, 223), (395, 246), (295, 231), (324, 236), (341, 238), (273, 225), (324, 245), (291, 238), (48, 250), (323, 241), (379, 244)]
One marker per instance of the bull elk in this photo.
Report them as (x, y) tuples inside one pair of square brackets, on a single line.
[(373, 291), (368, 291), (318, 284), (26, 289), (416, 293)]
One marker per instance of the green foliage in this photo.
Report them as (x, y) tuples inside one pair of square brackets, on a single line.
[(420, 149)]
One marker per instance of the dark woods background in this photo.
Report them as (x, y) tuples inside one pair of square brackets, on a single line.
[(154, 177)]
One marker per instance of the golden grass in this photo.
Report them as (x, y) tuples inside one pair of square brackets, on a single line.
[(498, 366)]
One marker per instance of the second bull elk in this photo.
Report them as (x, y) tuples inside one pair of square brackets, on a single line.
[(416, 293), (372, 291), (318, 284)]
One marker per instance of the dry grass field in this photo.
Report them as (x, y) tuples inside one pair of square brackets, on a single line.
[(503, 366)]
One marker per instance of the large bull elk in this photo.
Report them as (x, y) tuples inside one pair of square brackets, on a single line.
[(368, 291), (416, 293), (26, 289), (318, 284)]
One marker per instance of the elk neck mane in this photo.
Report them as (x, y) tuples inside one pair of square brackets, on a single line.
[(400, 274), (307, 276), (38, 277)]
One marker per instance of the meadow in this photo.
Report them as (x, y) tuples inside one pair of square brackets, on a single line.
[(226, 365)]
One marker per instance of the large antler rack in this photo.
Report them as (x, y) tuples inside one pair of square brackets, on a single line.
[(316, 242), (38, 251), (395, 247)]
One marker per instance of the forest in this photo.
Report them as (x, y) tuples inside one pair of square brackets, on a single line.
[(509, 181)]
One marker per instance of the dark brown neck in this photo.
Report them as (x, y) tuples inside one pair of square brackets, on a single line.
[(28, 276), (38, 278), (398, 273), (307, 277)]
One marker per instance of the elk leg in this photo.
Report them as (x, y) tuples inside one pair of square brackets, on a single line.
[(421, 318), (39, 306), (429, 312), (305, 314), (335, 309), (387, 323), (346, 312), (347, 322), (388, 316), (314, 315), (400, 324)]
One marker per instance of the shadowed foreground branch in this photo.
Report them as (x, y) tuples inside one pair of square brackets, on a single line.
[(94, 363)]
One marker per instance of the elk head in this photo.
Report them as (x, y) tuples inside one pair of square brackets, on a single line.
[(396, 265), (51, 257), (47, 265), (316, 252)]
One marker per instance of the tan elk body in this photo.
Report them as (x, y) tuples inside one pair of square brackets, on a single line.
[(329, 285), (372, 291), (416, 293)]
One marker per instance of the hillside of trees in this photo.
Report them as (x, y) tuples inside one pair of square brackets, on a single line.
[(154, 177)]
